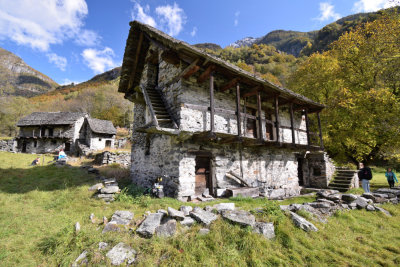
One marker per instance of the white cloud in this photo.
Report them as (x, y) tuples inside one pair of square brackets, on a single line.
[(139, 13), (99, 60), (172, 18), (236, 21), (67, 81), (193, 32), (372, 5), (87, 38), (39, 24), (59, 61), (327, 12)]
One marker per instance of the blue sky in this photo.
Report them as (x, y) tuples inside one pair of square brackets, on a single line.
[(73, 40)]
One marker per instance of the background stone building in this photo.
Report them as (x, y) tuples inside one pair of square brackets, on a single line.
[(46, 132), (213, 127)]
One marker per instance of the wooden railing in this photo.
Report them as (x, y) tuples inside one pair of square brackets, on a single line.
[(150, 105)]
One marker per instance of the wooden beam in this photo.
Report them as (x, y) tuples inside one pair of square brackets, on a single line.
[(321, 142), (307, 126), (204, 76), (252, 92), (260, 128), (188, 69), (191, 72), (136, 59), (277, 124), (238, 117), (171, 57), (292, 123), (229, 84), (212, 103)]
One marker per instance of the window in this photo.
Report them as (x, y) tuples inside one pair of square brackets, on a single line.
[(53, 142), (51, 132), (35, 143), (99, 139)]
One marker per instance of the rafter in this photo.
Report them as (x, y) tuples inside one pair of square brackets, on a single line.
[(204, 76), (139, 46), (252, 92), (229, 84)]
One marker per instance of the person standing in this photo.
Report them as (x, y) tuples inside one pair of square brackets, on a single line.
[(365, 175), (391, 177)]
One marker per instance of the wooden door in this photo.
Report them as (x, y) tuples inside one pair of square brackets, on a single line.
[(202, 175)]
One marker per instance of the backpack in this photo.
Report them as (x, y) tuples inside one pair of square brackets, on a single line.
[(365, 173)]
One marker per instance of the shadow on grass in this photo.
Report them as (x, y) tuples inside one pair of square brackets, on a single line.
[(43, 178)]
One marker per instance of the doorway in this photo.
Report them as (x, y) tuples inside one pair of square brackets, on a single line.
[(24, 147), (67, 147), (108, 143), (300, 173), (203, 175)]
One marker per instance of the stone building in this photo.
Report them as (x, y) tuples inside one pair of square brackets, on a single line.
[(46, 132), (215, 128)]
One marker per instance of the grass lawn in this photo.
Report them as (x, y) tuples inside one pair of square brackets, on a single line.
[(40, 205)]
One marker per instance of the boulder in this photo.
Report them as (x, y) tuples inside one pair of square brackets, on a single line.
[(176, 214), (295, 207), (203, 216), (224, 206), (109, 190), (77, 227), (388, 191), (284, 207), (186, 210), (302, 223), (383, 211), (122, 217), (167, 228), (204, 231), (92, 218), (326, 193), (326, 201), (163, 212), (380, 200), (187, 221), (96, 187), (344, 206), (394, 200), (82, 260), (240, 217), (334, 197), (319, 205), (380, 195), (349, 198), (368, 196), (208, 208), (361, 203), (370, 208), (111, 227), (265, 229), (103, 245), (106, 197), (121, 253), (148, 227)]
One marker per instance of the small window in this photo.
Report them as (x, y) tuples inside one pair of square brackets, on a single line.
[(51, 132), (35, 143), (317, 171), (99, 139), (53, 142)]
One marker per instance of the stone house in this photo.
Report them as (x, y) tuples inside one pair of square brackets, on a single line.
[(46, 132), (215, 128)]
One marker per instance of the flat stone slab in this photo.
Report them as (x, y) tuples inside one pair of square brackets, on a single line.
[(265, 229), (361, 202), (319, 205), (96, 187), (224, 206), (383, 211), (349, 197), (370, 208), (148, 227), (103, 245), (302, 223), (110, 190), (122, 217), (388, 191), (243, 192), (81, 260), (106, 197), (204, 231), (240, 217), (202, 216), (121, 253), (111, 227), (188, 221), (176, 214), (166, 229), (186, 210)]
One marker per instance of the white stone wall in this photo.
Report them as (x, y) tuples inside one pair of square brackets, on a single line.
[(98, 142)]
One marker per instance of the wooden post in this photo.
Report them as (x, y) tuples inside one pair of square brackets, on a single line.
[(276, 100), (212, 108), (307, 126), (238, 116), (260, 128), (292, 123), (321, 142)]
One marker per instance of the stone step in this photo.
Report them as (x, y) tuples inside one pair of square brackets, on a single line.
[(346, 171), (159, 116), (344, 186), (164, 120), (343, 178), (338, 188)]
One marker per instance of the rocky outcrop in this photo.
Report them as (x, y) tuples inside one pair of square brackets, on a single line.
[(107, 157)]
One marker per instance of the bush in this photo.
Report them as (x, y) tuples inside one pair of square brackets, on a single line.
[(134, 194)]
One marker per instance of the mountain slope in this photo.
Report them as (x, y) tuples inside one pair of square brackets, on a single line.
[(19, 79)]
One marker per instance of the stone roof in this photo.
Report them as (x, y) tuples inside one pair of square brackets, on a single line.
[(101, 126), (138, 42), (50, 118)]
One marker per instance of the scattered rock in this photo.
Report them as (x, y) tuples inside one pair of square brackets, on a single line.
[(302, 223), (92, 218), (368, 196), (176, 214), (203, 216), (294, 207), (123, 217), (344, 206), (81, 260), (334, 197), (326, 193), (148, 227), (93, 170), (319, 205), (111, 227), (110, 190), (326, 201), (380, 195), (208, 208), (284, 207), (103, 245), (121, 253), (240, 217), (77, 227), (361, 203), (380, 200), (96, 187), (265, 229), (224, 206), (349, 198), (204, 231), (370, 208), (186, 210), (394, 200), (163, 212), (383, 211), (106, 197), (105, 220), (167, 228), (187, 221)]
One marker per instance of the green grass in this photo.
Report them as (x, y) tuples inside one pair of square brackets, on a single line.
[(40, 205), (378, 181)]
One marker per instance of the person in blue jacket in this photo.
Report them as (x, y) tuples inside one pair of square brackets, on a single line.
[(391, 177)]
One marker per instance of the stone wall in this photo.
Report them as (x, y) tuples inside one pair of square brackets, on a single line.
[(318, 169), (107, 157), (8, 145)]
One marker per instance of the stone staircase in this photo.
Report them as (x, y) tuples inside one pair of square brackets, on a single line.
[(342, 180), (163, 118)]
